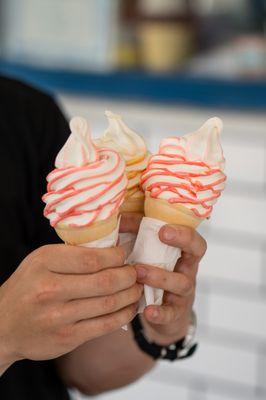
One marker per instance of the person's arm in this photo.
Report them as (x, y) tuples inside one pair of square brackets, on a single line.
[(115, 360), (106, 363)]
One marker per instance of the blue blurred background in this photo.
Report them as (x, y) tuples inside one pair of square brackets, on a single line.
[(202, 52), (166, 66)]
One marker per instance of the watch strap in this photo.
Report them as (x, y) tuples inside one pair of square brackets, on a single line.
[(178, 350)]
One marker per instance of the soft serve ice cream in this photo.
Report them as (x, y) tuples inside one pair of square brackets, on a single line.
[(88, 184), (131, 146), (188, 170)]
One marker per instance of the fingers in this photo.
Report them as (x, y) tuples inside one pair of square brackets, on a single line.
[(78, 310), (95, 327), (130, 222), (81, 260), (187, 239), (162, 315), (173, 282), (103, 283)]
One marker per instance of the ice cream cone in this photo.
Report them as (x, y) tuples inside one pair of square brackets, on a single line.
[(182, 182), (80, 235), (132, 147), (170, 213), (85, 190)]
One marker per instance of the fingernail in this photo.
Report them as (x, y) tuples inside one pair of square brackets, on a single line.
[(141, 272), (169, 233)]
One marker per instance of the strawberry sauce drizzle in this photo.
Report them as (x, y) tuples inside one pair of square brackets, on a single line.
[(109, 167), (191, 186)]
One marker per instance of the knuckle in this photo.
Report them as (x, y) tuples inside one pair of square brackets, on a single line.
[(63, 335), (186, 286), (49, 321), (38, 257), (42, 251), (91, 261), (204, 247), (106, 281), (54, 316), (45, 292), (109, 303), (131, 274), (134, 294)]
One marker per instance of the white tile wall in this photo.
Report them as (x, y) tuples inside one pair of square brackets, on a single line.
[(217, 397), (216, 361), (240, 213), (231, 303), (245, 162), (228, 262), (241, 314)]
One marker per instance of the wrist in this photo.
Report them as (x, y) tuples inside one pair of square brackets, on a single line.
[(7, 358), (7, 355), (166, 335)]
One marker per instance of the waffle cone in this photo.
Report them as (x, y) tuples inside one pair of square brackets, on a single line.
[(97, 230), (170, 213)]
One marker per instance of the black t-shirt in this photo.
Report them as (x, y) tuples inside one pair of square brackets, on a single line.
[(32, 130)]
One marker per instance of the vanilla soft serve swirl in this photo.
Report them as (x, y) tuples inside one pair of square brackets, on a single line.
[(188, 170), (131, 146), (88, 184)]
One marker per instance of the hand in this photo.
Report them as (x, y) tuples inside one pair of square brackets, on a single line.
[(62, 296), (168, 323)]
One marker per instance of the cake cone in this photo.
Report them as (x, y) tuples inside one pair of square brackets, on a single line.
[(85, 235), (133, 205), (170, 213)]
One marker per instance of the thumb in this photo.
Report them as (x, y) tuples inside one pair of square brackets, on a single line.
[(175, 235), (185, 238)]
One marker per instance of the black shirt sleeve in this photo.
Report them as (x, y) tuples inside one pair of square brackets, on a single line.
[(55, 131), (32, 130)]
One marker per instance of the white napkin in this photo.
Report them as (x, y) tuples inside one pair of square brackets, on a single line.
[(148, 249)]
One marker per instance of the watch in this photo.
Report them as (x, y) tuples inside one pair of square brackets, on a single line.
[(179, 350)]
